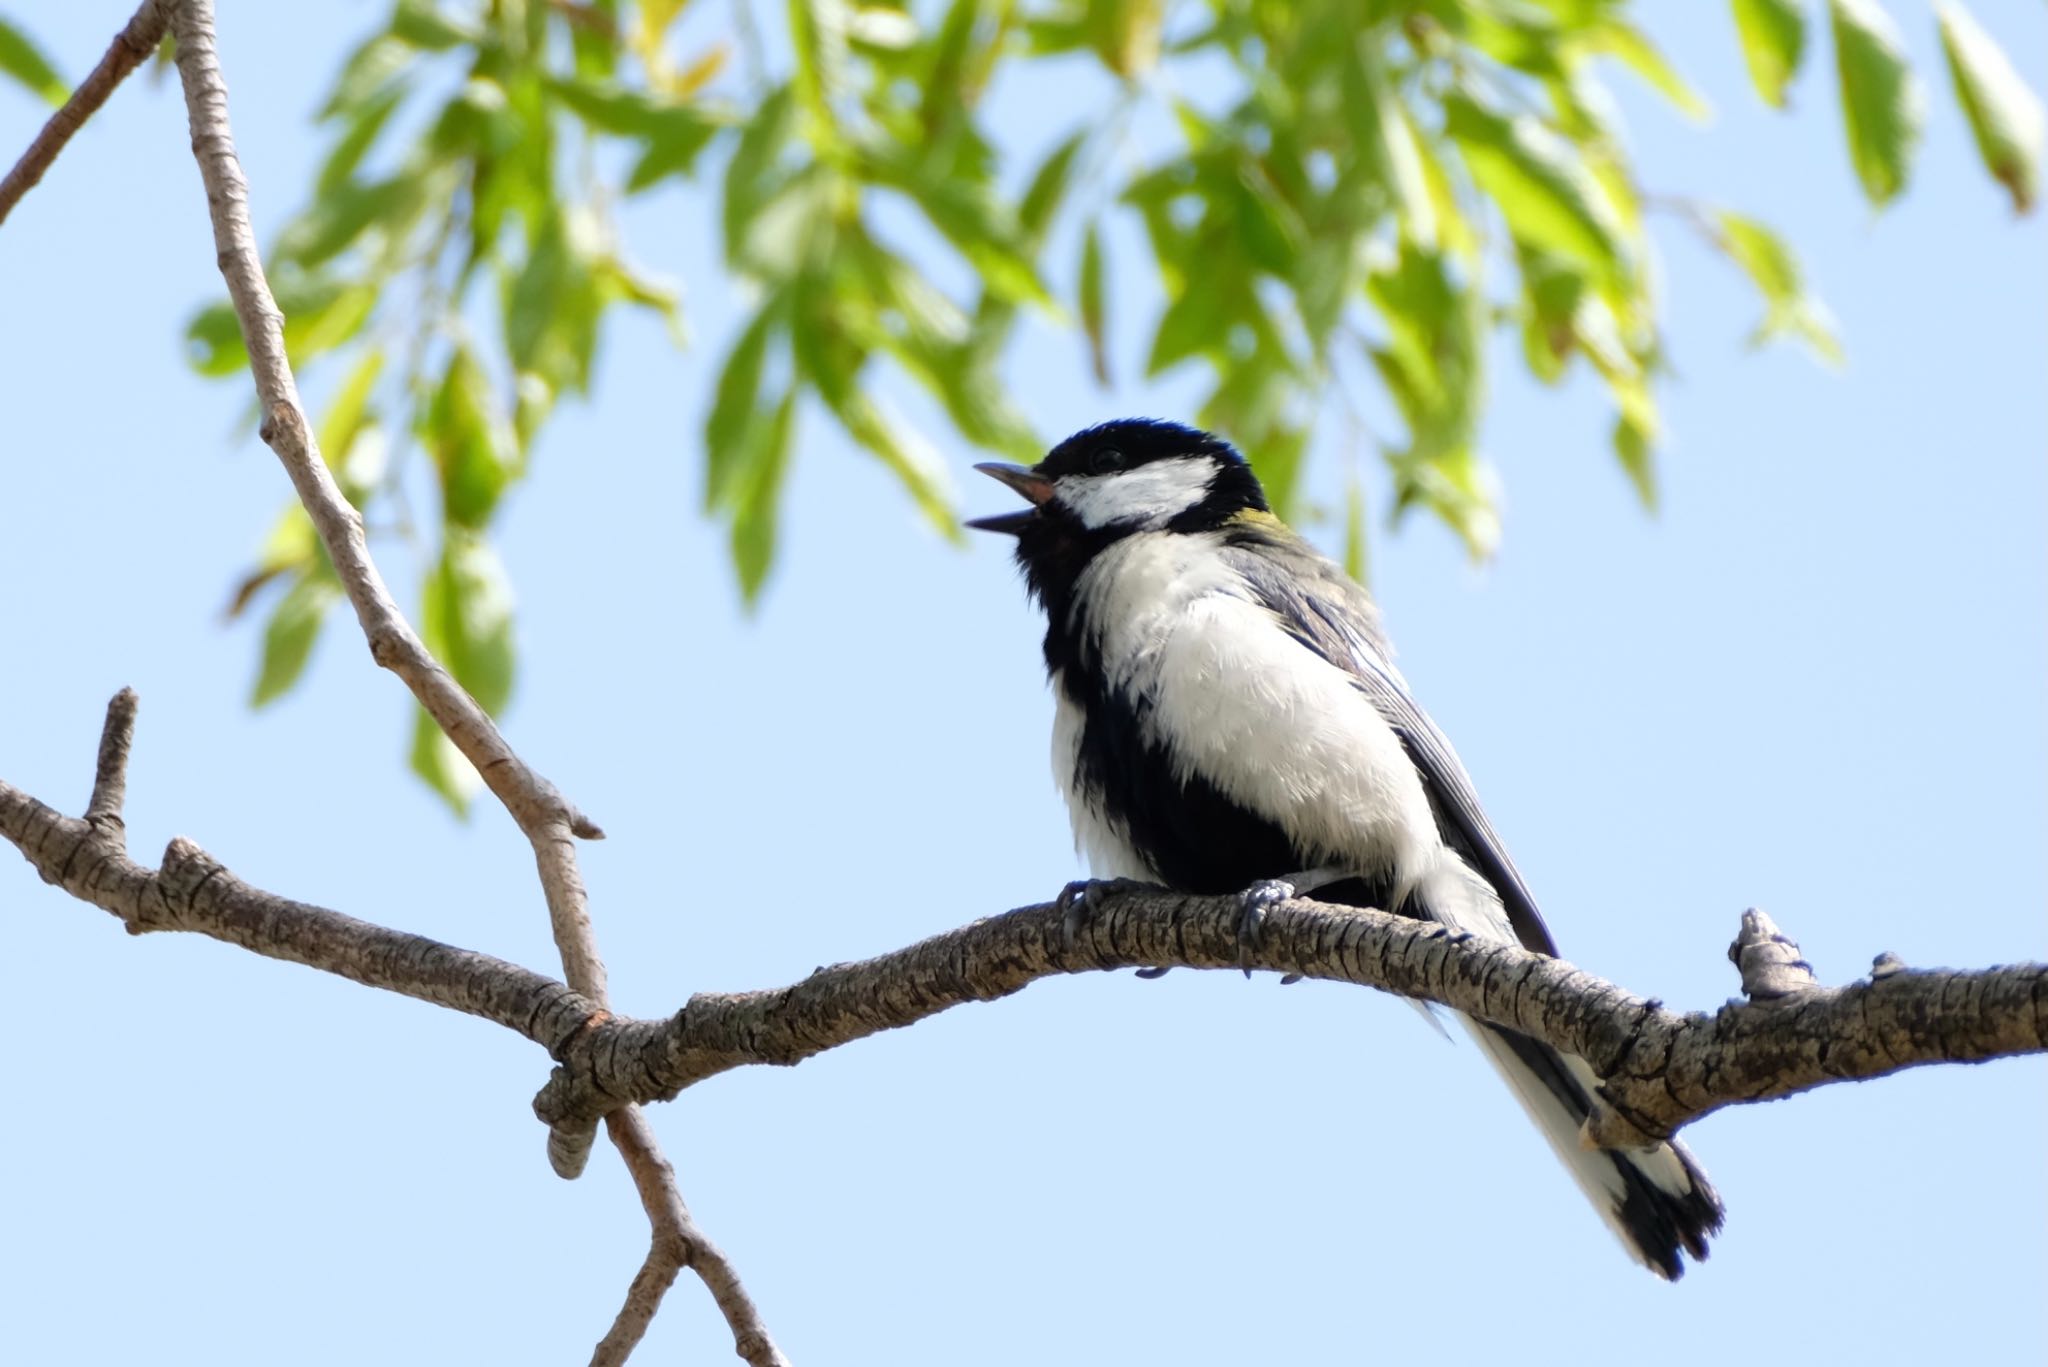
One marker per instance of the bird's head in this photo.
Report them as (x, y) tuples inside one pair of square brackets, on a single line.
[(1115, 479)]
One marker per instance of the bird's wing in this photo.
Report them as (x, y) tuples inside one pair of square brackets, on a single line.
[(1321, 607)]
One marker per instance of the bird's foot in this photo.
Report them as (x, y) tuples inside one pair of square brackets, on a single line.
[(1076, 903), (1072, 905), (1251, 916)]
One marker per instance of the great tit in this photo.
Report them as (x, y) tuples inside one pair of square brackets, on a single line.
[(1227, 716)]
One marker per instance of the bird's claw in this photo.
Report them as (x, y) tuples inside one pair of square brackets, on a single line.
[(1251, 917), (1072, 905), (1075, 906)]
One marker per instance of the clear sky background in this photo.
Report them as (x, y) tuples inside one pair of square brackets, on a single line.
[(1814, 683)]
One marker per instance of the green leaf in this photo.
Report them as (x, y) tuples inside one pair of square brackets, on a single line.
[(345, 421), (1631, 47), (1269, 232), (906, 455), (422, 24), (767, 209), (289, 635), (1125, 34), (1460, 488), (24, 61), (729, 428), (1768, 262), (675, 131), (1773, 34), (1196, 321), (817, 29), (2004, 115), (213, 342), (1094, 318), (759, 497), (1433, 357), (1047, 189), (1881, 105), (467, 618), (881, 28), (1354, 529), (971, 217), (320, 317), (1544, 189), (472, 448), (368, 72), (1552, 292), (1432, 367), (341, 214), (1384, 136), (670, 157), (365, 122), (435, 759), (1635, 435), (553, 306)]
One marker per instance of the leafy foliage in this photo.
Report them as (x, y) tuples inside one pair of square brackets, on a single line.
[(2004, 115), (24, 63), (1362, 188), (1881, 100)]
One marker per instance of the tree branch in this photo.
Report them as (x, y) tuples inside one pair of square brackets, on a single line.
[(550, 823), (89, 859), (130, 48), (1662, 1069)]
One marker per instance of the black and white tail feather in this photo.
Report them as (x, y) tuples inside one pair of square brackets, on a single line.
[(1657, 1201)]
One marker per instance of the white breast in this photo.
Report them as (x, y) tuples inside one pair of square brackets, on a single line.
[(1274, 726)]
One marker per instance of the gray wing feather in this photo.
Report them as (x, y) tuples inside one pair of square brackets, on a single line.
[(1320, 606)]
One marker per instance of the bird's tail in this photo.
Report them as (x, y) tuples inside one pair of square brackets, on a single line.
[(1657, 1201)]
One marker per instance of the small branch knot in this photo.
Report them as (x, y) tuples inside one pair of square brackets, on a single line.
[(1768, 960), (282, 420), (110, 774), (569, 1148), (1607, 1128), (388, 647)]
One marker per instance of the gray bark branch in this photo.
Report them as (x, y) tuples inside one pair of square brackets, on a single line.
[(1661, 1069), (549, 821), (130, 48)]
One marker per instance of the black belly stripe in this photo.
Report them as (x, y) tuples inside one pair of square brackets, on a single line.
[(1196, 837)]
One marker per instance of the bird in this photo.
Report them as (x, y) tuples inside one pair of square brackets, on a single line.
[(1227, 719)]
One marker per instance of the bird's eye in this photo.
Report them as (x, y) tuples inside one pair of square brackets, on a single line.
[(1104, 460)]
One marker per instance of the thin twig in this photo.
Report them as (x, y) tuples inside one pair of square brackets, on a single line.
[(542, 813), (130, 48), (89, 859), (550, 823), (666, 1256), (110, 773)]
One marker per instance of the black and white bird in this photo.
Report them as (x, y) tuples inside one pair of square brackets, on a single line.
[(1227, 714)]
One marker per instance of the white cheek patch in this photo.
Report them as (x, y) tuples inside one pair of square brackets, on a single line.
[(1148, 497)]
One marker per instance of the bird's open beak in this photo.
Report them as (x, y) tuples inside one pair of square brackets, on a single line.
[(1033, 487)]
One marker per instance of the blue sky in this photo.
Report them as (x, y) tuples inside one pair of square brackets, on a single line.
[(1814, 683)]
